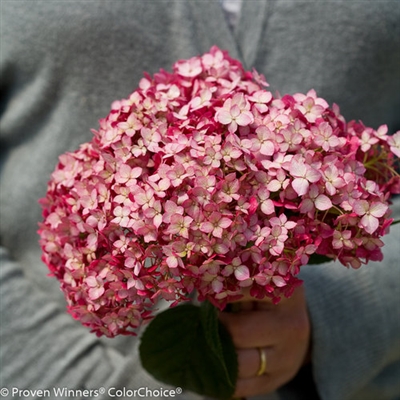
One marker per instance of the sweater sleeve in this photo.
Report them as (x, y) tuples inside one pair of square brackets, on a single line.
[(61, 66), (43, 348), (355, 325)]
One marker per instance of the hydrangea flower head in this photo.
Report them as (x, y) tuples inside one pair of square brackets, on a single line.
[(202, 180)]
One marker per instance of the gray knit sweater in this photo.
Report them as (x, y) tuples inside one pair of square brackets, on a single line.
[(64, 62)]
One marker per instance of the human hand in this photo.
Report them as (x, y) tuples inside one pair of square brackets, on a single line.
[(281, 330)]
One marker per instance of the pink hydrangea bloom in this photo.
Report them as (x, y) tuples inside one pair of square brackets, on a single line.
[(203, 180)]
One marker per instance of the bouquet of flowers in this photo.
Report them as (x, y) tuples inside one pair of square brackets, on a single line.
[(204, 181)]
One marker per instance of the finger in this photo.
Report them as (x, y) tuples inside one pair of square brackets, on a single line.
[(267, 324), (250, 361), (253, 329), (250, 380)]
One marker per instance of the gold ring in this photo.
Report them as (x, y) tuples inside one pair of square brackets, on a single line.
[(263, 361)]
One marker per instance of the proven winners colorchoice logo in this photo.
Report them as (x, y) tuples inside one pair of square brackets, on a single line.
[(57, 392)]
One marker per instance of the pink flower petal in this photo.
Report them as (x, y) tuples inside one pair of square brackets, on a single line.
[(217, 285), (378, 209), (369, 223), (223, 116), (224, 222), (323, 202), (242, 273), (361, 207), (300, 186), (278, 281), (245, 118), (206, 227), (172, 261), (96, 292), (267, 148), (268, 207)]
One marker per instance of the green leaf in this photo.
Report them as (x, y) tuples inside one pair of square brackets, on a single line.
[(188, 347), (216, 335)]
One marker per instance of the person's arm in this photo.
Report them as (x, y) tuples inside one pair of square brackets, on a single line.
[(356, 325), (43, 348), (350, 333)]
